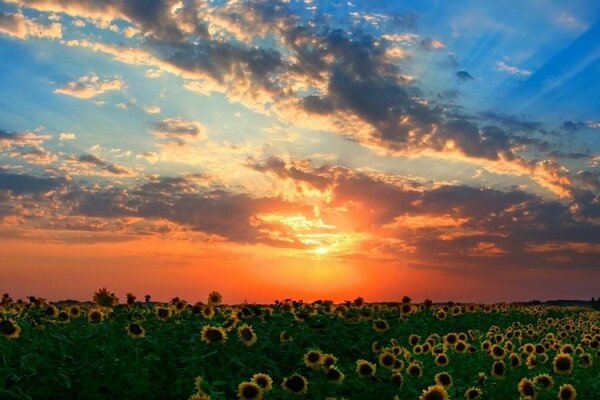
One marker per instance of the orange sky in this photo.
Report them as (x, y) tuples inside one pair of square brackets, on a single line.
[(165, 269)]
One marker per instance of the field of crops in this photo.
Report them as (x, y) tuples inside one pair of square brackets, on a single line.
[(355, 350)]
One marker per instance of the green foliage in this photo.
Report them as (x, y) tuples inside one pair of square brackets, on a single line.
[(80, 359)]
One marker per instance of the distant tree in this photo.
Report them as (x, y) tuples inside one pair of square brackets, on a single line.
[(147, 298)]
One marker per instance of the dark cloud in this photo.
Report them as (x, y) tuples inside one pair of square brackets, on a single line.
[(91, 160), (19, 184), (464, 76)]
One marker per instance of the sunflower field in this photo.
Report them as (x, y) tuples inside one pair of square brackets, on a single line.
[(108, 349)]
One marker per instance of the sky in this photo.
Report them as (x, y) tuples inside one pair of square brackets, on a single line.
[(300, 149)]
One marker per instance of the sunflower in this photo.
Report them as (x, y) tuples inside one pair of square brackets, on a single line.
[(514, 360), (585, 360), (442, 360), (526, 388), (365, 368), (531, 361), (543, 381), (130, 299), (95, 315), (435, 392), (397, 379), (481, 378), (208, 312), (563, 364), (473, 393), (313, 359), (215, 298), (246, 335), (264, 381), (460, 347), (213, 334), (414, 340), (162, 313), (136, 331), (285, 337), (381, 325), (334, 375), (249, 391), (414, 369), (75, 312), (199, 396), (451, 338), (443, 379), (497, 352), (567, 392), (9, 329), (105, 298), (387, 360), (328, 360), (499, 369), (296, 384)]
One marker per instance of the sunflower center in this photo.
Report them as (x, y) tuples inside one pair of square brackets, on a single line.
[(250, 392), (7, 328), (295, 383), (246, 334)]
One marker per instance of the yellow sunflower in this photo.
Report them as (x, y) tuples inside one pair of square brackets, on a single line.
[(563, 364), (9, 329), (295, 384), (365, 368), (213, 334), (249, 391), (264, 381), (246, 335), (435, 392)]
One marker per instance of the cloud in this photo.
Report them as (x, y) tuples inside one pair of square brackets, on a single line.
[(34, 154), (66, 136), (19, 184), (91, 85), (18, 26), (464, 75), (152, 109), (512, 70), (90, 164), (178, 130), (24, 138)]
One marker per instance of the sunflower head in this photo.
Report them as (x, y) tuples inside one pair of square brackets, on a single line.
[(387, 360), (473, 393), (499, 369), (526, 388), (414, 369), (365, 368), (215, 298), (313, 359), (163, 313), (95, 315), (296, 384), (285, 337), (443, 379), (397, 379), (247, 335), (442, 360), (328, 360), (105, 298), (9, 329), (213, 334), (249, 391), (334, 374), (264, 381), (435, 392), (543, 381), (563, 364), (381, 325), (567, 392), (136, 331)]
